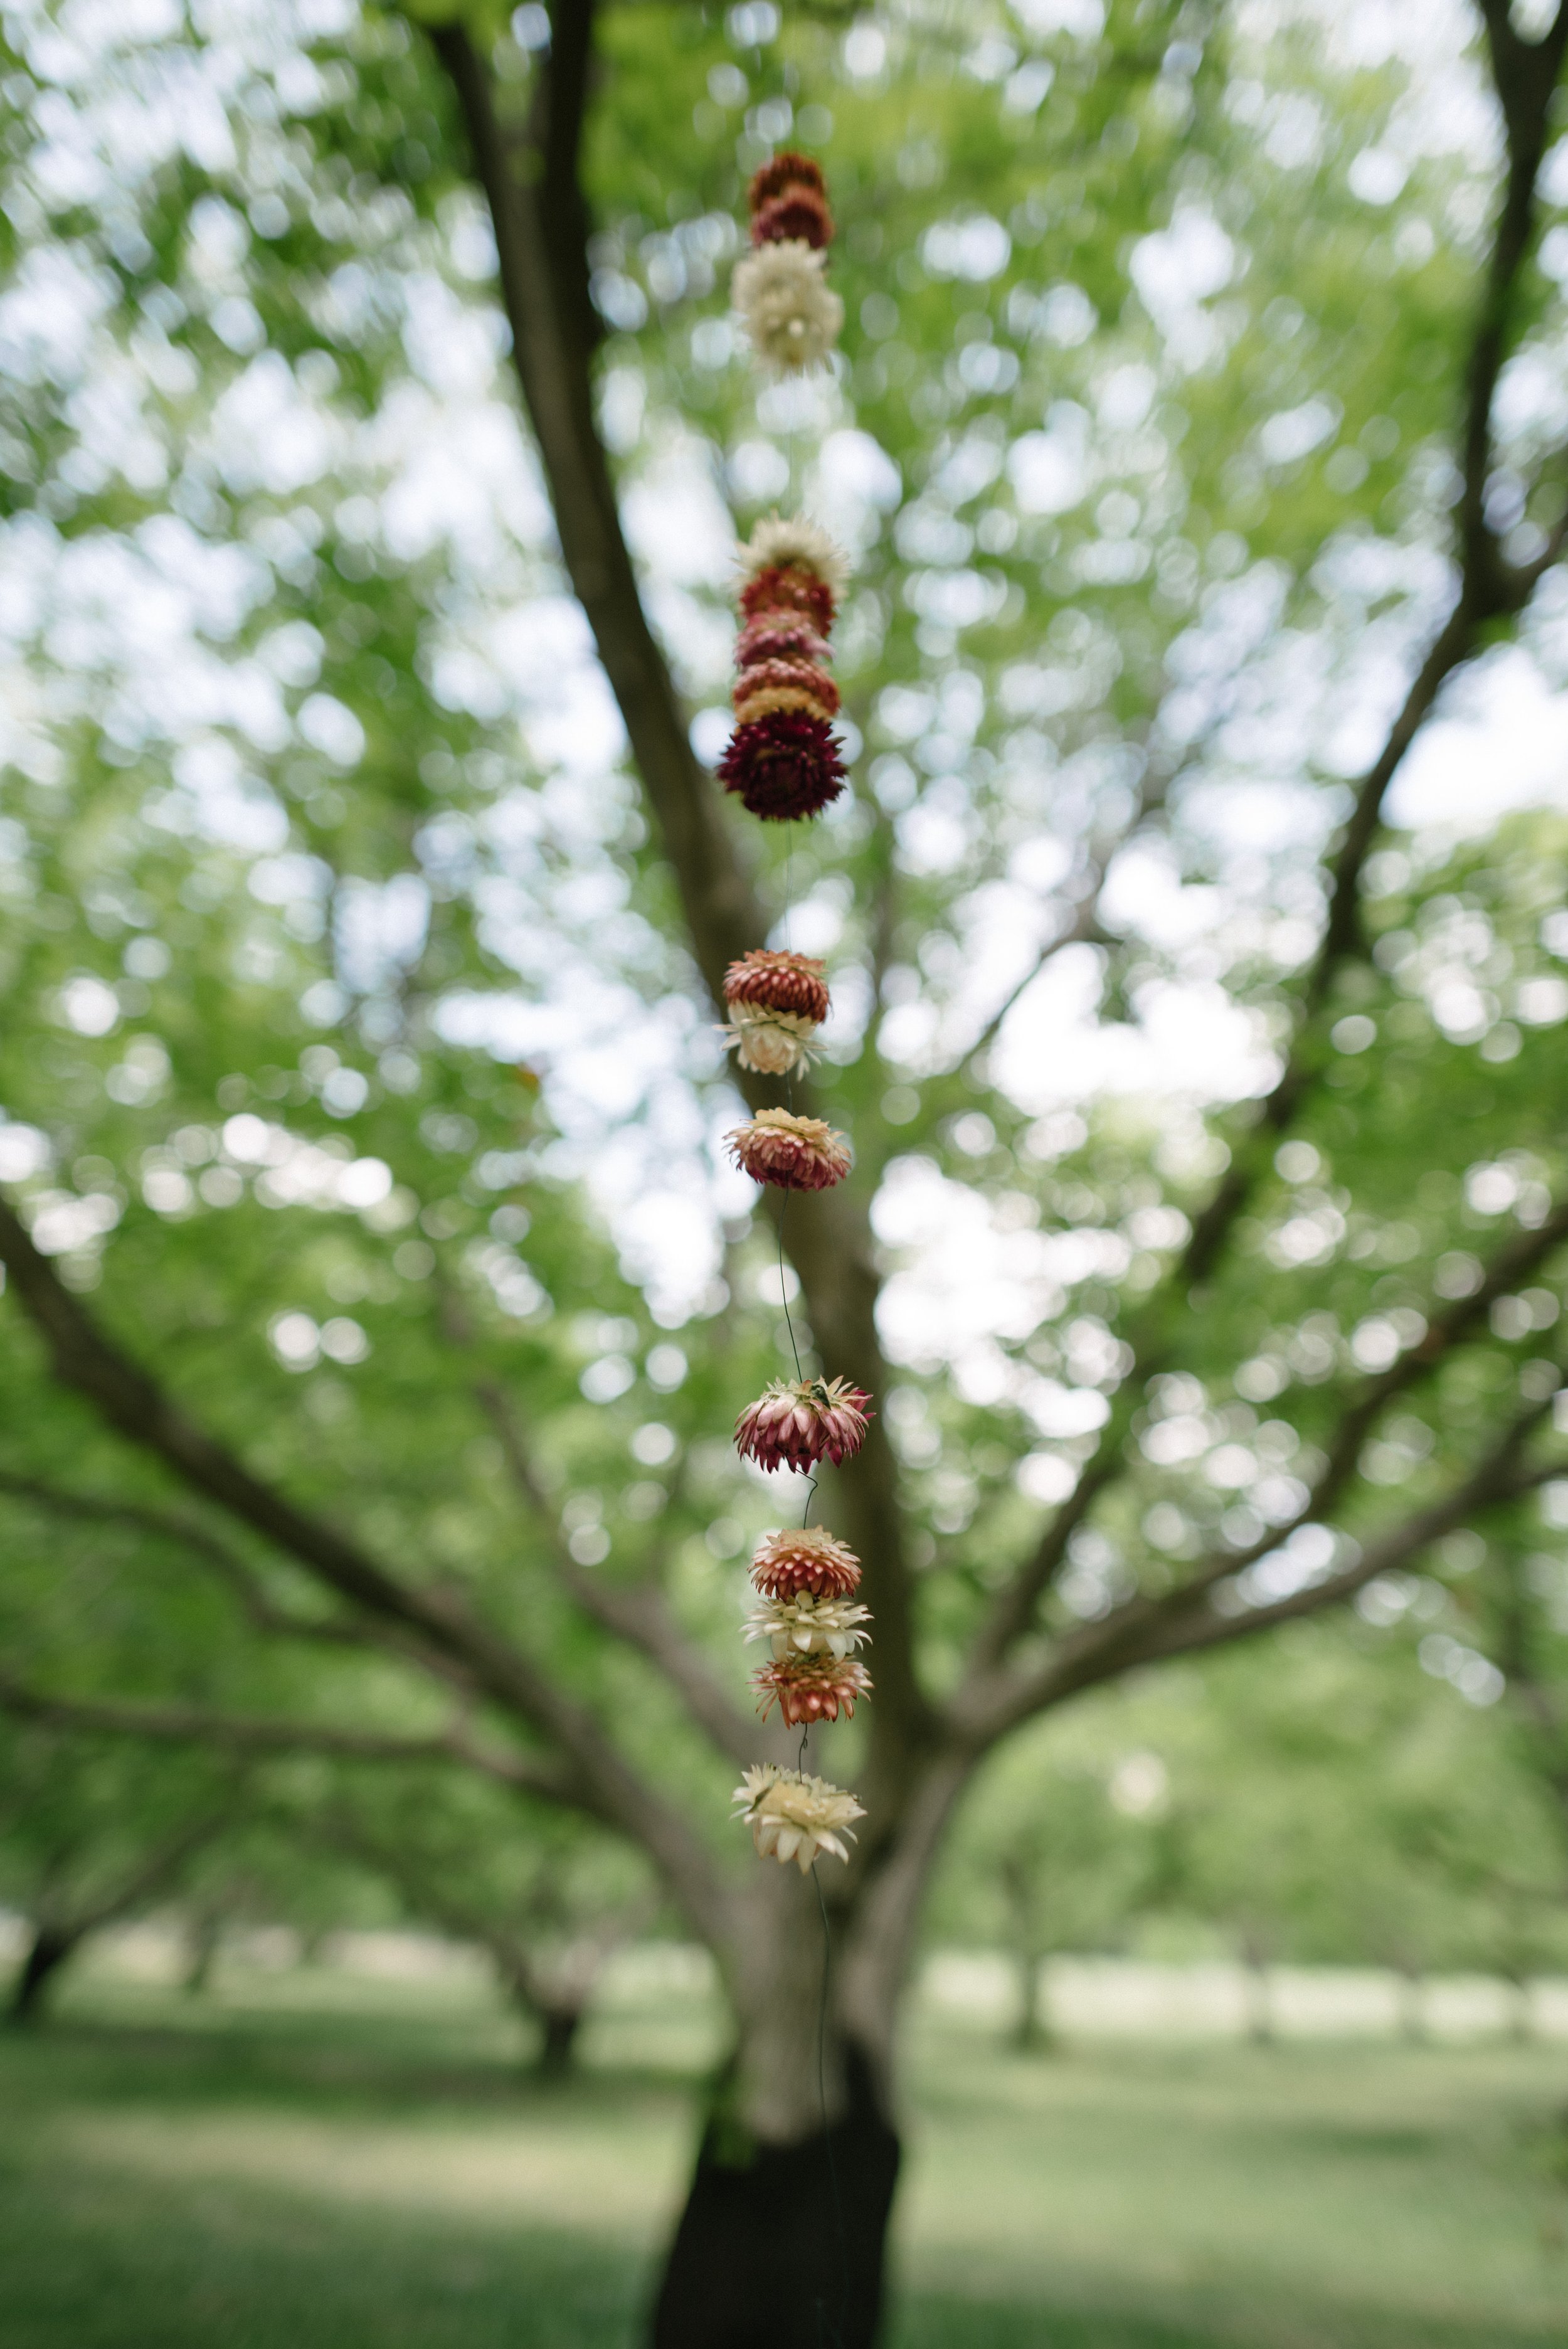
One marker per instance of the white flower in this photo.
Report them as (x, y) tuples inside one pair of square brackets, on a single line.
[(771, 1042), (778, 540), (792, 314), (805, 1626), (793, 1818)]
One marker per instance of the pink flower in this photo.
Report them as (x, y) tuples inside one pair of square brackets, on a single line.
[(798, 1422), (797, 1154), (804, 1558), (808, 1689)]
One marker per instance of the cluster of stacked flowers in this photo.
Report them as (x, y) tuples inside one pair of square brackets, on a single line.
[(783, 758), (784, 764), (780, 289)]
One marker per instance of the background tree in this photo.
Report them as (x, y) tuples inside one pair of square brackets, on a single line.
[(548, 1903), (93, 1836), (1193, 447)]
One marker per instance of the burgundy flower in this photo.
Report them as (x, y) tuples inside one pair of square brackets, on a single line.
[(788, 169), (796, 214), (776, 982), (808, 1689), (784, 765), (796, 1153), (804, 1558), (796, 1424), (789, 587)]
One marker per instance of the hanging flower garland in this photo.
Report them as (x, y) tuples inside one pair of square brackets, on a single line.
[(785, 765)]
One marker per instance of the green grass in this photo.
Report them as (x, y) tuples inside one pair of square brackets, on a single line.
[(307, 2162)]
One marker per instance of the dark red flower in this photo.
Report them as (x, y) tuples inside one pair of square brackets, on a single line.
[(784, 766), (788, 169), (795, 213)]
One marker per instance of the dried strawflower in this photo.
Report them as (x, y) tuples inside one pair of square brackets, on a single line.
[(788, 169), (809, 1627), (793, 1818), (794, 542), (789, 587), (804, 1558), (797, 1154), (771, 1042), (783, 766), (788, 198), (770, 685), (808, 1689), (779, 636), (800, 1422), (779, 981), (796, 214), (791, 314)]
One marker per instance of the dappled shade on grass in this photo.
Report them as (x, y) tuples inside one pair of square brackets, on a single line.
[(369, 2169)]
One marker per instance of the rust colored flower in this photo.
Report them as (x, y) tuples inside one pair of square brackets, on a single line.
[(789, 587), (796, 215), (776, 982), (800, 1422), (808, 1689), (788, 169), (797, 1154), (783, 766), (804, 1558), (784, 685)]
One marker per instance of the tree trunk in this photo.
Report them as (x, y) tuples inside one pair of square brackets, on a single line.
[(782, 2247), (1032, 2031), (51, 1946), (1412, 2006), (559, 2026)]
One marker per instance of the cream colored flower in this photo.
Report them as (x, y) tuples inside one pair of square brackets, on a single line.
[(805, 1626), (771, 1042), (793, 1818), (791, 314), (776, 542)]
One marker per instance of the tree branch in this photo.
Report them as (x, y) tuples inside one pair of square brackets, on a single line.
[(635, 1613), (129, 1401), (1187, 1620), (1489, 589), (1520, 1256), (241, 1734), (529, 174), (169, 1525)]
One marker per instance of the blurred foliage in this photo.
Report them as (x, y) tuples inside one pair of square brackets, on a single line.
[(313, 808)]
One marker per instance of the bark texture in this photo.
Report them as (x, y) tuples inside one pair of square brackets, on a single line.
[(783, 2247)]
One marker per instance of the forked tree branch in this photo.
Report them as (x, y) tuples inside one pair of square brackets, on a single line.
[(988, 1692), (531, 174), (1489, 588), (604, 1783), (1192, 1622)]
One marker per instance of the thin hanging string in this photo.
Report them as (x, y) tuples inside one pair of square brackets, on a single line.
[(822, 2098)]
